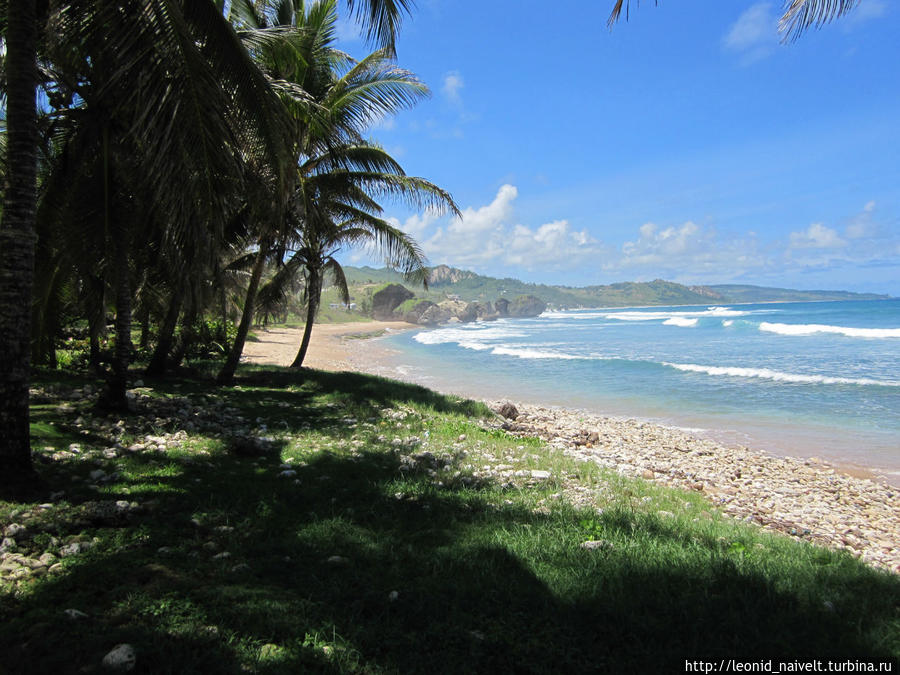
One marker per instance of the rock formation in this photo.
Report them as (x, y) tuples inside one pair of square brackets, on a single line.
[(389, 298)]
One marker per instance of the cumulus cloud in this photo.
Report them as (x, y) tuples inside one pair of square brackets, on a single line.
[(817, 236), (453, 86), (416, 224), (688, 253), (755, 33), (861, 224), (489, 235)]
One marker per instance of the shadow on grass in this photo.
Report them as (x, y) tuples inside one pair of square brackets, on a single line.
[(317, 563), (355, 565)]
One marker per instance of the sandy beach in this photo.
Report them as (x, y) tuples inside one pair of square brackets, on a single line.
[(331, 346), (809, 499)]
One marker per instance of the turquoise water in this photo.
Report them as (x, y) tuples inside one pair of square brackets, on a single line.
[(795, 378)]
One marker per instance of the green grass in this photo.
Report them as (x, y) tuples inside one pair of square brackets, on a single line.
[(440, 567)]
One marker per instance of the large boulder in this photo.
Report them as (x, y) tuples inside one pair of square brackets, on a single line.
[(469, 313), (434, 315), (414, 313), (526, 305), (456, 307), (501, 306), (389, 298)]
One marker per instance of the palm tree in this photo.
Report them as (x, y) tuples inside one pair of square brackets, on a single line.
[(797, 15), (17, 244), (338, 211), (153, 54), (342, 97)]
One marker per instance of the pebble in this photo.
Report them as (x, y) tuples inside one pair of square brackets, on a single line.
[(804, 498), (75, 548)]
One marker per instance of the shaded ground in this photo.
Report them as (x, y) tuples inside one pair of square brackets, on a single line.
[(373, 550)]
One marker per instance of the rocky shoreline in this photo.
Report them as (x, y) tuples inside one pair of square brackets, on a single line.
[(805, 498)]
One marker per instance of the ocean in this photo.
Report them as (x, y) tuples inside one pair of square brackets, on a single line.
[(801, 378)]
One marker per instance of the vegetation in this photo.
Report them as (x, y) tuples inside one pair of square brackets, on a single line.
[(167, 192), (343, 523), (473, 287)]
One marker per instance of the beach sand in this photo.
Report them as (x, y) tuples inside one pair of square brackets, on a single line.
[(809, 499), (331, 346)]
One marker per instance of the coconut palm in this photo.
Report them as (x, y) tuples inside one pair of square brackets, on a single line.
[(797, 15), (147, 51), (336, 210), (346, 97), (17, 243)]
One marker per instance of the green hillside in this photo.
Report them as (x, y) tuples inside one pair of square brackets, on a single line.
[(471, 287), (739, 293)]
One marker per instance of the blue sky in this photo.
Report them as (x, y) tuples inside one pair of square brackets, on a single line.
[(687, 144)]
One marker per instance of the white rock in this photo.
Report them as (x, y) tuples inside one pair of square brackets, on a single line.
[(540, 475), (121, 657), (596, 544), (75, 614)]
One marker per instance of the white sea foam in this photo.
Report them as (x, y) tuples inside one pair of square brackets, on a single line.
[(727, 323), (813, 328), (716, 312), (680, 321), (460, 335), (531, 353), (777, 376)]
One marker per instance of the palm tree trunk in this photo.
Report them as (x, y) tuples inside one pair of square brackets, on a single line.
[(145, 327), (226, 374), (114, 397), (97, 326), (312, 308), (117, 385), (17, 239), (223, 329), (157, 365), (188, 335)]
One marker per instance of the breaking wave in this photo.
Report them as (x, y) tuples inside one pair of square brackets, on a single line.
[(813, 328), (680, 321), (778, 376)]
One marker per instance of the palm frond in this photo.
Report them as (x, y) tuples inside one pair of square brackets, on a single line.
[(800, 15), (381, 19), (373, 89), (340, 279)]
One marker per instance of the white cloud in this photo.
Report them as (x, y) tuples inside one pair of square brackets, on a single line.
[(488, 235), (453, 85), (755, 33), (817, 236), (861, 224), (415, 225), (487, 218), (688, 253)]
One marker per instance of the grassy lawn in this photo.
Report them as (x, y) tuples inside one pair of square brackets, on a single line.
[(318, 522)]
